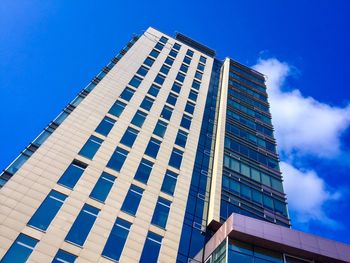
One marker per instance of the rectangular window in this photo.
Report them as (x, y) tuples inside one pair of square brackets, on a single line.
[(159, 79), (153, 90), (127, 94), (163, 39), (153, 148), (160, 128), (169, 182), (193, 95), (151, 248), (161, 212), (165, 69), (82, 225), (187, 60), (91, 147), (172, 98), (147, 103), (135, 82), (166, 112), (64, 257), (159, 46), (142, 71), (102, 187), (116, 240), (184, 68), (20, 249), (176, 158), (169, 61), (198, 75), (186, 121), (47, 210), (73, 173), (105, 126), (203, 59), (181, 138), (149, 61), (117, 108), (143, 171), (118, 158), (154, 53), (189, 53), (190, 107), (180, 77), (139, 118), (129, 137), (132, 200), (173, 53), (176, 87), (196, 84), (200, 67), (176, 46)]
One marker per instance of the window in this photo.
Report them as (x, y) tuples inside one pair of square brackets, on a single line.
[(159, 79), (117, 108), (82, 225), (149, 61), (153, 90), (73, 173), (64, 257), (176, 87), (147, 103), (160, 128), (153, 148), (159, 46), (172, 98), (47, 210), (177, 46), (176, 158), (105, 126), (132, 200), (184, 68), (180, 77), (198, 75), (189, 53), (163, 39), (196, 84), (181, 138), (139, 118), (193, 95), (127, 94), (190, 107), (116, 240), (20, 249), (166, 112), (142, 71), (129, 137), (203, 59), (169, 182), (161, 212), (200, 67), (165, 69), (143, 171), (135, 81), (173, 53), (102, 187), (154, 53), (117, 160), (187, 60), (151, 248), (91, 147), (186, 122), (169, 61)]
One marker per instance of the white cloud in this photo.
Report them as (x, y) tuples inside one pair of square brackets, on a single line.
[(303, 125), (307, 195)]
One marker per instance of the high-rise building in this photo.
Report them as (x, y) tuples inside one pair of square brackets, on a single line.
[(147, 163)]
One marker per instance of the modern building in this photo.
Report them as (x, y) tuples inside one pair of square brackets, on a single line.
[(160, 158)]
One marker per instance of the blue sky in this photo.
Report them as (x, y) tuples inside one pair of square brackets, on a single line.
[(49, 50)]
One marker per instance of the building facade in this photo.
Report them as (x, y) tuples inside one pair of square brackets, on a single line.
[(147, 162)]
